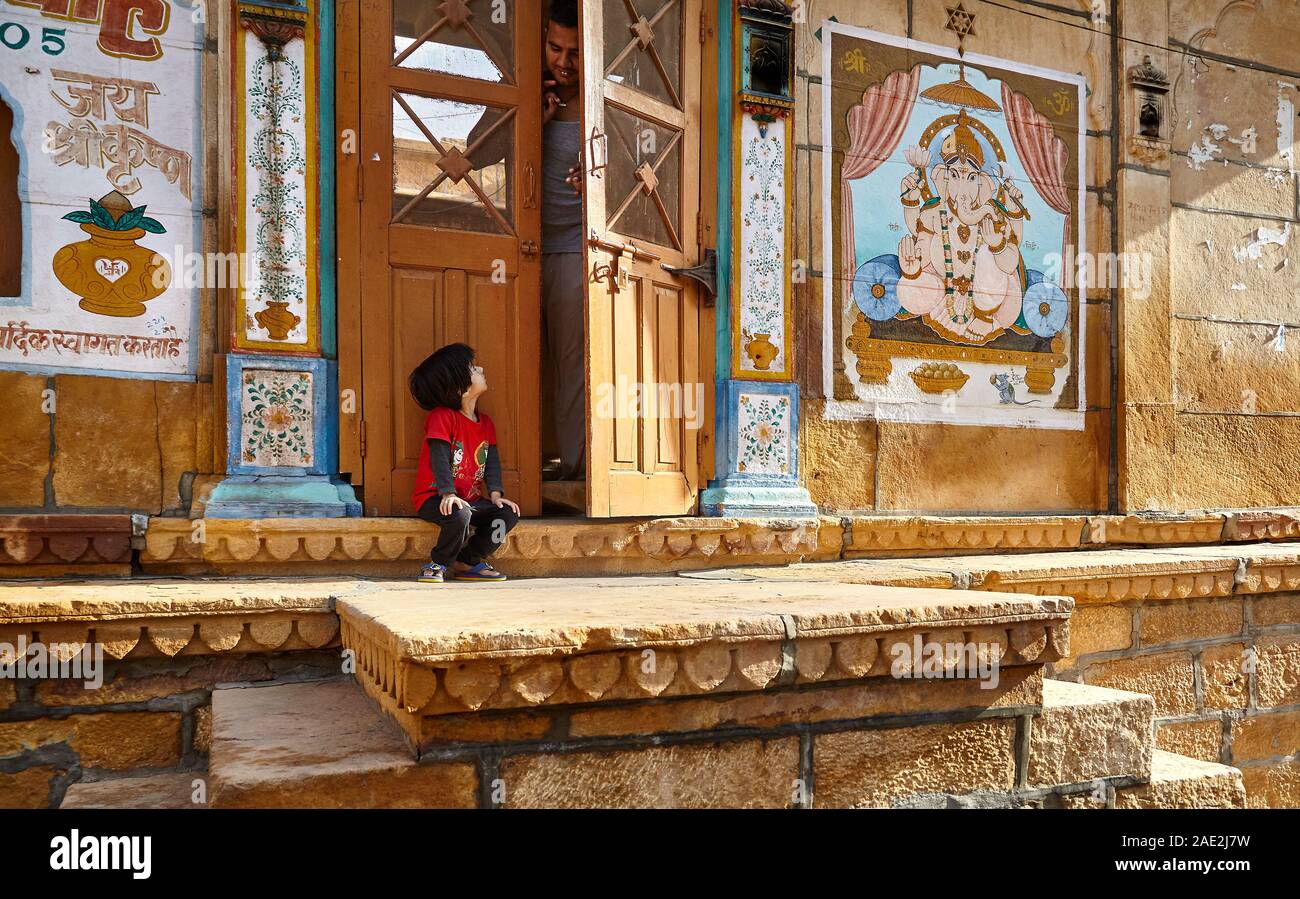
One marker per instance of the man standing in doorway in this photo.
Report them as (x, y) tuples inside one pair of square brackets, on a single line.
[(563, 284)]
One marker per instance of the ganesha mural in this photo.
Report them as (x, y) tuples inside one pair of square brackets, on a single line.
[(956, 191)]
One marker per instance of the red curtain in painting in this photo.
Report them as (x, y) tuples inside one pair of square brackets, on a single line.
[(876, 126), (1043, 154)]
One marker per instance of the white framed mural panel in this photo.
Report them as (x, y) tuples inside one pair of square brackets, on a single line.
[(954, 195), (106, 101)]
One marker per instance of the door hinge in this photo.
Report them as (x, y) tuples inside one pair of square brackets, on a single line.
[(704, 26), (363, 439), (699, 227)]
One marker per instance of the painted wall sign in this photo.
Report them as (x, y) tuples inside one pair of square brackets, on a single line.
[(106, 97), (955, 195)]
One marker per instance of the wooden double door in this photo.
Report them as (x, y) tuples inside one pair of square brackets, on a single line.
[(440, 241)]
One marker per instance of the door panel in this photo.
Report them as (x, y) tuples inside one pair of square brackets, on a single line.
[(450, 225), (642, 112)]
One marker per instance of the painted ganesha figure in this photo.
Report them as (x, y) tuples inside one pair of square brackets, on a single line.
[(960, 261)]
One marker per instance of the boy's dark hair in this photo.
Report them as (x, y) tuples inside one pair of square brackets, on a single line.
[(564, 12), (441, 380)]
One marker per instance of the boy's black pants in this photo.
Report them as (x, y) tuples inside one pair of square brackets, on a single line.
[(490, 523)]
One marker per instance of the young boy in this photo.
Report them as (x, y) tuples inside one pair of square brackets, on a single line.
[(458, 483)]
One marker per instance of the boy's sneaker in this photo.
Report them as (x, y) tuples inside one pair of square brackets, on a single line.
[(480, 572), (433, 573)]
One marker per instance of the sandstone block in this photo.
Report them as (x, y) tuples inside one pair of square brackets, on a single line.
[(172, 791), (106, 444), (203, 729), (1278, 670), (140, 682), (744, 774), (1100, 629), (1166, 677), (321, 745), (1265, 736), (1179, 782), (873, 768), (1272, 786), (1278, 609), (1174, 621), (1087, 732), (875, 697), (120, 741), (1223, 671), (28, 788), (24, 440), (1194, 739)]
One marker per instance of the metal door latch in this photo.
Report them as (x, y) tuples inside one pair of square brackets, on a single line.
[(706, 273)]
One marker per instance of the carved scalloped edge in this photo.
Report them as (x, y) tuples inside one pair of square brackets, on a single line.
[(411, 541), (456, 686), (31, 547), (1269, 577), (1124, 529), (870, 534), (1116, 588), (187, 635), (1250, 526)]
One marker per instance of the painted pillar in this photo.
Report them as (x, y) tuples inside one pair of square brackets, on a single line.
[(281, 388), (758, 399)]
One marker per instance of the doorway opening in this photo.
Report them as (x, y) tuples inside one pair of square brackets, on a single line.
[(440, 244)]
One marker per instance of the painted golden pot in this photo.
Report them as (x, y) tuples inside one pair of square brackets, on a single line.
[(111, 273), (762, 351), (277, 319)]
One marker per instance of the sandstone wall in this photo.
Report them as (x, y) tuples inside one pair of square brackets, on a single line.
[(73, 443), (1204, 391), (1224, 672), (151, 714), (1233, 185)]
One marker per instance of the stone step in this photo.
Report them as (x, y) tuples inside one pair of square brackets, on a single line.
[(320, 744), (1181, 782), (177, 789), (532, 652), (1087, 733)]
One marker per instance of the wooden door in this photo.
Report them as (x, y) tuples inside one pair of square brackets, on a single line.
[(450, 225), (642, 120)]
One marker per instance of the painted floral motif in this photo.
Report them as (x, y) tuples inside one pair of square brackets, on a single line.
[(764, 434), (276, 412), (763, 239), (278, 208)]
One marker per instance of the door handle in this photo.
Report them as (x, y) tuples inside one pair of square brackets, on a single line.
[(528, 248), (530, 186)]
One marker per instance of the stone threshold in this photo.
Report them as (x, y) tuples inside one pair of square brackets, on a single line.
[(117, 546), (55, 545)]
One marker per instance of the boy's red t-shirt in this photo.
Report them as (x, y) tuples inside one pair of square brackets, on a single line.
[(469, 452)]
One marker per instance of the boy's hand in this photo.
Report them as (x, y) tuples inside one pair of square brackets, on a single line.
[(575, 180), (450, 503), (498, 500)]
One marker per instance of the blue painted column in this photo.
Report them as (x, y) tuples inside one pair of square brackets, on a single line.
[(281, 378), (757, 397)]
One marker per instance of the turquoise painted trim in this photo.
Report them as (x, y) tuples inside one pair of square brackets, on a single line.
[(726, 259), (327, 255), (748, 501)]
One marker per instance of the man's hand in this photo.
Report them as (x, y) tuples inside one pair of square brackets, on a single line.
[(450, 503), (499, 500), (550, 101), (575, 179)]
